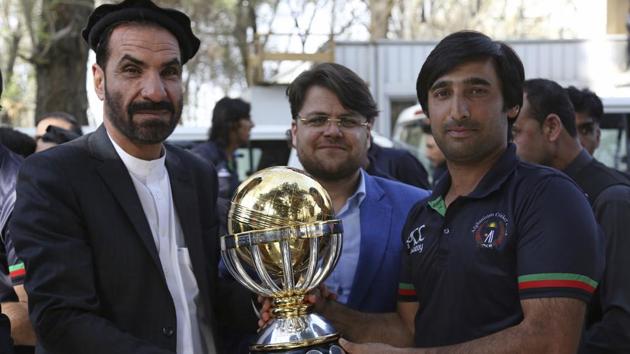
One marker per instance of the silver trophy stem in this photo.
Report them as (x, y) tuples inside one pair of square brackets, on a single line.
[(289, 284)]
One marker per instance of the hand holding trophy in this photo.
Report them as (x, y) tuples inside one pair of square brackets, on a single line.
[(283, 241)]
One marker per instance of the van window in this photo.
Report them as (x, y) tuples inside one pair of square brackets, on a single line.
[(613, 146)]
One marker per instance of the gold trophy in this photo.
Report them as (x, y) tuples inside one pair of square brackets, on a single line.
[(284, 241)]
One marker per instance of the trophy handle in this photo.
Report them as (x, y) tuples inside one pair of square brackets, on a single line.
[(329, 262), (261, 270), (312, 265), (234, 266)]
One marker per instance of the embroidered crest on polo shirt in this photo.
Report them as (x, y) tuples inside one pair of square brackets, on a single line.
[(415, 241), (491, 230)]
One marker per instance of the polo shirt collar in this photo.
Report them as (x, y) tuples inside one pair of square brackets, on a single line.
[(492, 181), (582, 159)]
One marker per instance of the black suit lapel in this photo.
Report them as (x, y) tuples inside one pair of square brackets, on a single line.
[(117, 178)]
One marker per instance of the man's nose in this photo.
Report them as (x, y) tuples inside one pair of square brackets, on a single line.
[(459, 108), (153, 88), (332, 127)]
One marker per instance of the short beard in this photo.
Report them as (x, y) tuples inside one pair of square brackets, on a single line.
[(320, 172), (148, 133)]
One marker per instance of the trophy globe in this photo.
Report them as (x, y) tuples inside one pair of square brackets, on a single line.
[(283, 241)]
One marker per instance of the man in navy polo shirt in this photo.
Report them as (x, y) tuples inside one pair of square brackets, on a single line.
[(504, 255), (545, 132)]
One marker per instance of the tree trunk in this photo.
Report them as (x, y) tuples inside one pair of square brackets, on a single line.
[(380, 12), (61, 59)]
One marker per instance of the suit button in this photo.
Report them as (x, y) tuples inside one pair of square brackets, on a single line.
[(168, 331)]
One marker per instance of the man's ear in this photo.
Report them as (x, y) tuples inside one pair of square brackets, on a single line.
[(512, 113), (99, 81), (598, 135), (552, 127), (293, 133)]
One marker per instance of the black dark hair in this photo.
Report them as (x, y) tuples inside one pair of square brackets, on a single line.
[(225, 117), (58, 135), (350, 89), (546, 97), (466, 46), (17, 141), (586, 101), (102, 49), (76, 127), (1, 83)]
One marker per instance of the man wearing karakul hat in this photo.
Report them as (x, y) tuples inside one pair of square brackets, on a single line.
[(117, 230)]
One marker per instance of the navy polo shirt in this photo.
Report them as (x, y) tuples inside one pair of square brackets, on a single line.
[(526, 231)]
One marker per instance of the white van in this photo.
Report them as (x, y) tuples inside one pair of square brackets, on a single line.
[(408, 133)]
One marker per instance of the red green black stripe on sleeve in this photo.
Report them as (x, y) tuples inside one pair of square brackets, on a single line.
[(17, 271), (406, 291), (556, 280)]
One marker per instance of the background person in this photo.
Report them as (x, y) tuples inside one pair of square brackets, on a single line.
[(231, 126), (16, 141), (589, 112), (9, 164), (396, 164), (66, 128), (545, 133)]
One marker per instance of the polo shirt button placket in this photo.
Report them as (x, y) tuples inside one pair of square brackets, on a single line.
[(168, 331), (446, 231)]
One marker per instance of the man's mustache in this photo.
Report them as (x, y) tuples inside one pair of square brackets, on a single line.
[(466, 124), (150, 106)]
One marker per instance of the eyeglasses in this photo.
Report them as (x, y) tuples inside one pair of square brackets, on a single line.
[(586, 128), (344, 122)]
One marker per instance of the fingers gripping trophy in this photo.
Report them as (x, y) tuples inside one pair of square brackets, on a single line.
[(284, 241)]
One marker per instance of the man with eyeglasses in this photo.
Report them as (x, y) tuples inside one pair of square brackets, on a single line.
[(545, 132), (333, 112), (589, 112)]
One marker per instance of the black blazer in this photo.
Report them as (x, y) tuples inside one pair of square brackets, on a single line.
[(93, 275)]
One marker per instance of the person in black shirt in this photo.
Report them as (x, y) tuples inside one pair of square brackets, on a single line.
[(231, 125), (589, 112), (545, 132), (396, 164)]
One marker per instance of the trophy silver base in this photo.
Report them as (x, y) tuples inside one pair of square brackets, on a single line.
[(307, 333), (327, 348)]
